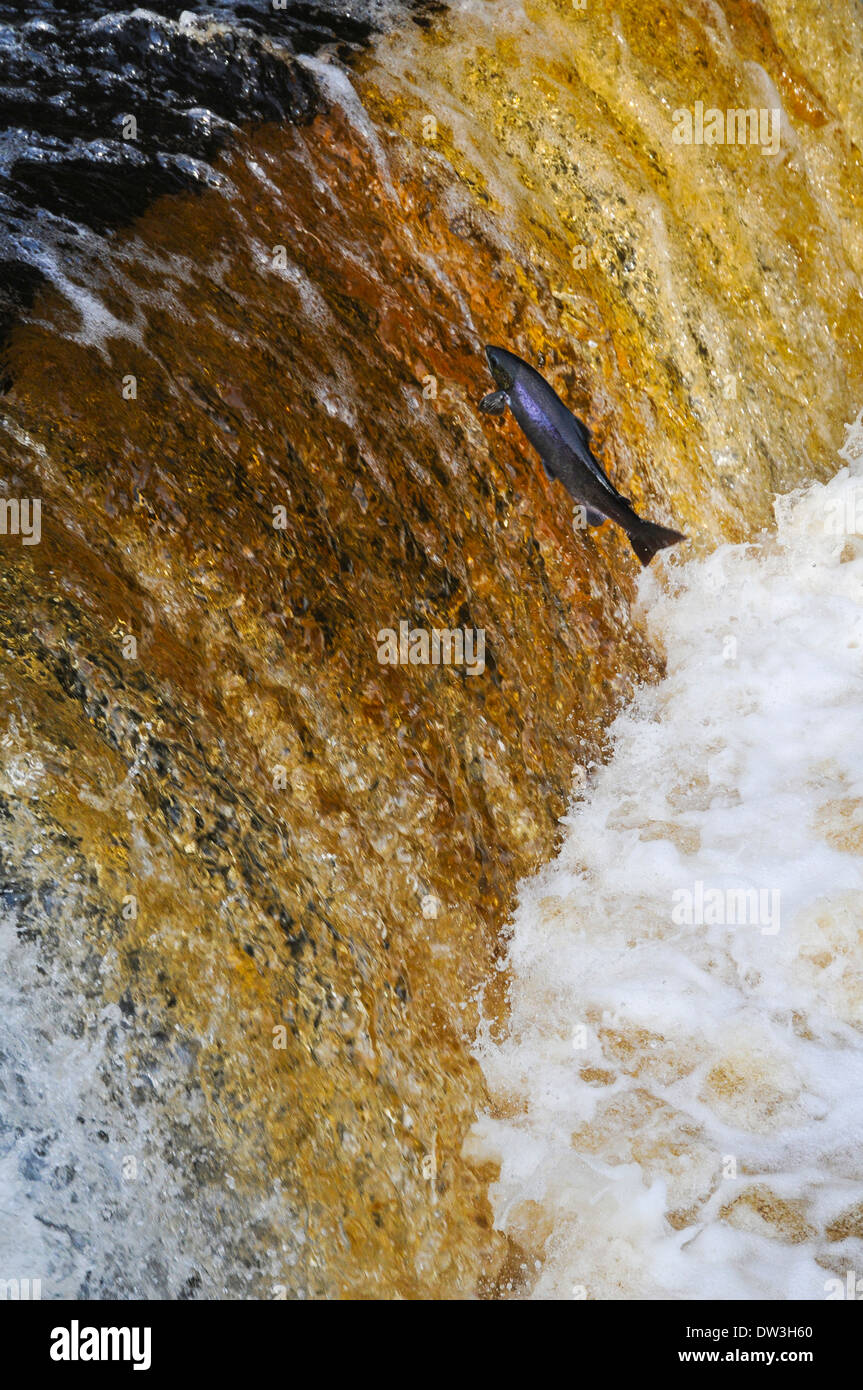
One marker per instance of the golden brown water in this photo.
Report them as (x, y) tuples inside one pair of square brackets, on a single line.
[(314, 840)]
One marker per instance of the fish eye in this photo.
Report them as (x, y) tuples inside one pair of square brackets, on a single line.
[(495, 361)]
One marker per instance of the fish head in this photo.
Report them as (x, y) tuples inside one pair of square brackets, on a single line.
[(503, 366)]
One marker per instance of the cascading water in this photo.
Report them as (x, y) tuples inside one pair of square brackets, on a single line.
[(677, 1098), (265, 1029)]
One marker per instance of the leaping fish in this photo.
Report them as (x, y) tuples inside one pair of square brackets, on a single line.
[(563, 445)]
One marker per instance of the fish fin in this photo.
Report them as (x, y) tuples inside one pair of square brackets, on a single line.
[(545, 468), (494, 403), (575, 433), (593, 517), (648, 538), (582, 430)]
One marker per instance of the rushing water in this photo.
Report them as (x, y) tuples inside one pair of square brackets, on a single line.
[(678, 1096), (265, 1028)]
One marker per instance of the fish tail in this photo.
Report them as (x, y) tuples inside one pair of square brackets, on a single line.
[(646, 538)]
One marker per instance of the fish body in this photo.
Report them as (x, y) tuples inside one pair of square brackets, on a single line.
[(563, 445)]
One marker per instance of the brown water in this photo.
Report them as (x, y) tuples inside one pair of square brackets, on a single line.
[(312, 839)]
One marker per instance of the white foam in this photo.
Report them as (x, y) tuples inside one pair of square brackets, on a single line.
[(336, 86), (98, 325), (648, 1061)]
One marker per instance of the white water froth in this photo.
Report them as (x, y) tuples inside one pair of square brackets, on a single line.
[(336, 86), (679, 1108)]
